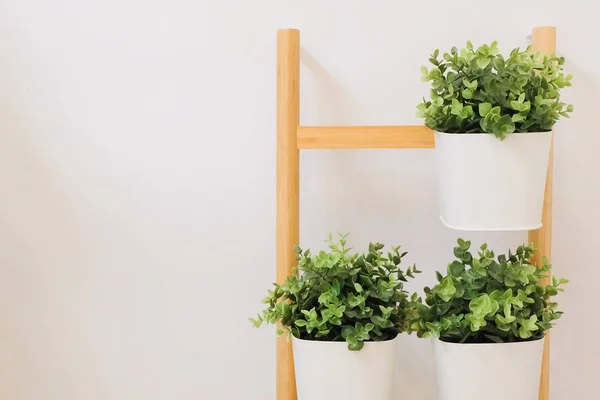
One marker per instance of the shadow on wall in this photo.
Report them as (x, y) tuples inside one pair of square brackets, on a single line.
[(17, 363), (381, 182), (415, 373), (34, 209), (347, 180), (337, 170), (334, 103), (572, 162), (576, 199)]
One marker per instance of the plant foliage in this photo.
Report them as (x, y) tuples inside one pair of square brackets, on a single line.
[(477, 90), (487, 299), (339, 296)]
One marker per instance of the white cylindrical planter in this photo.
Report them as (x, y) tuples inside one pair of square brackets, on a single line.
[(488, 184), (328, 370), (498, 371)]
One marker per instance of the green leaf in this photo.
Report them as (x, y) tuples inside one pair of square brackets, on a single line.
[(484, 109), (348, 331), (434, 73), (467, 94), (322, 333), (518, 117), (483, 62), (466, 112), (381, 322), (386, 312), (456, 269), (256, 322), (438, 276), (456, 107), (503, 126), (551, 290), (476, 322), (480, 305), (325, 286), (358, 287), (355, 346), (354, 301), (516, 105), (446, 289)]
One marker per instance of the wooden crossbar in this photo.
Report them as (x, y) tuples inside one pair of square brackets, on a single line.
[(365, 137)]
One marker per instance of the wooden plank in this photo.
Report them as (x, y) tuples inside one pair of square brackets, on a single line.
[(365, 137), (288, 179), (544, 39)]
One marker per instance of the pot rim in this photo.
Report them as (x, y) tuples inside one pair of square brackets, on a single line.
[(492, 344), (485, 134), (492, 228), (338, 343)]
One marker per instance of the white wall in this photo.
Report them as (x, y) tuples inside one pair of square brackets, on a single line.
[(137, 183)]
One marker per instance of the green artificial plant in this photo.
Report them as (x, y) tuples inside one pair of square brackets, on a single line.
[(475, 90), (485, 299), (342, 296)]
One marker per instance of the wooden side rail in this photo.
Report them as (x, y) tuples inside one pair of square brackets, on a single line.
[(543, 39)]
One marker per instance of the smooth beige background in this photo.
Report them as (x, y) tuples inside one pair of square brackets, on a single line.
[(137, 185)]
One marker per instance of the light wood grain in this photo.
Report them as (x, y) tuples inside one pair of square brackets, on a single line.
[(287, 177), (365, 137), (544, 39)]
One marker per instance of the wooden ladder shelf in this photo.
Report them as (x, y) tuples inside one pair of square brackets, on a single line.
[(291, 138)]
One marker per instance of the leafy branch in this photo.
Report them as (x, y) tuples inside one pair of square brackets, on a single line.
[(477, 90), (339, 296), (485, 299)]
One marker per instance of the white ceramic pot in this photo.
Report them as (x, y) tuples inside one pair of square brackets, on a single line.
[(328, 370), (488, 184), (498, 371)]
